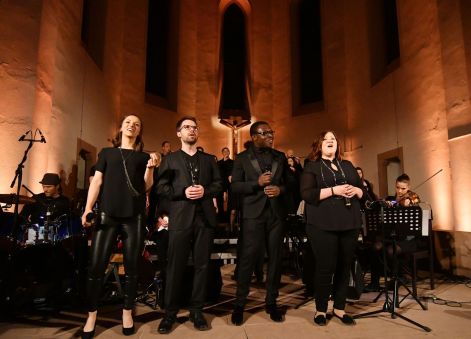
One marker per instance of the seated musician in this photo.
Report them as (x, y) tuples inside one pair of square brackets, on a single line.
[(50, 201), (404, 197)]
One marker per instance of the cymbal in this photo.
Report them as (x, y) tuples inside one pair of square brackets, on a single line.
[(11, 199)]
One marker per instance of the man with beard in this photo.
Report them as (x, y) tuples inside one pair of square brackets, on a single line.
[(49, 203), (190, 180), (260, 177)]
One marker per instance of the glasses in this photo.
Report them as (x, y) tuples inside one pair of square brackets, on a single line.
[(264, 133), (189, 127)]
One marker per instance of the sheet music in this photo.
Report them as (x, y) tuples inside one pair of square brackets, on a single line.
[(395, 216)]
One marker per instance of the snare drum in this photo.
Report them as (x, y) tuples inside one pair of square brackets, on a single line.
[(36, 234)]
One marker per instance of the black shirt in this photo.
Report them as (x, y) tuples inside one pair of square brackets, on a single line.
[(264, 156), (330, 214), (368, 194), (193, 166), (116, 197), (225, 168)]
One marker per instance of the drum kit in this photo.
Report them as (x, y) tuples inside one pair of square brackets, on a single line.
[(43, 230), (39, 262)]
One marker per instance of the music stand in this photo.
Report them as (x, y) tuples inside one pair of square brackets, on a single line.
[(390, 223)]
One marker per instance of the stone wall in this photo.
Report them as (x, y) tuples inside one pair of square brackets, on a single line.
[(47, 80)]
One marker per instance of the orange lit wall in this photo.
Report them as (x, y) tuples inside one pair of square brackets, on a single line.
[(47, 80), (18, 63)]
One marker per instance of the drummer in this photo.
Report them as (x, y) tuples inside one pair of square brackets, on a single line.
[(51, 200)]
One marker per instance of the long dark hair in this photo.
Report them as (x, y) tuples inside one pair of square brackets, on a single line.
[(317, 146), (138, 144)]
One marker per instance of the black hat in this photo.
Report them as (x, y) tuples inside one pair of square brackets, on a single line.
[(51, 179)]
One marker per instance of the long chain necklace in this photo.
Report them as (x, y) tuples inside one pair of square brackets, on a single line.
[(333, 173), (128, 156), (128, 179)]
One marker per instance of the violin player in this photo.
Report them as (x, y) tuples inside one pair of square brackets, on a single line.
[(404, 197)]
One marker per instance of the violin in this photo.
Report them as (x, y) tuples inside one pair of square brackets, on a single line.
[(409, 199)]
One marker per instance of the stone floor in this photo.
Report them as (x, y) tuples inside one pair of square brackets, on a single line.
[(445, 321)]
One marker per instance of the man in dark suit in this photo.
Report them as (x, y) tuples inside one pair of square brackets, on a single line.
[(190, 179), (260, 177)]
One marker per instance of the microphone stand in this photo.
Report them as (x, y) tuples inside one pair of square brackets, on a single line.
[(19, 177)]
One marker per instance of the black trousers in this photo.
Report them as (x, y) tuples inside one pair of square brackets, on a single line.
[(266, 229), (197, 239), (334, 252), (104, 239)]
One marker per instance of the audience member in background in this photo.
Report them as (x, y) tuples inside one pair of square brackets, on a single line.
[(166, 148), (224, 199), (369, 195), (294, 172), (297, 161)]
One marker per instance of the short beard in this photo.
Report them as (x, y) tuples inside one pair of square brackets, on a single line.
[(191, 142)]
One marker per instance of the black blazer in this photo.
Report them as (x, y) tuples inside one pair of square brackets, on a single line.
[(174, 178), (245, 182)]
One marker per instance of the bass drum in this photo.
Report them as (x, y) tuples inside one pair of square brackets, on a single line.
[(7, 243), (8, 248), (41, 273)]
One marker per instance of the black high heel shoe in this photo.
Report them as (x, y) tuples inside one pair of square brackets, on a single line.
[(320, 319), (346, 319), (129, 330), (88, 335)]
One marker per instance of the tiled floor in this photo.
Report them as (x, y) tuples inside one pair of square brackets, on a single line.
[(445, 321)]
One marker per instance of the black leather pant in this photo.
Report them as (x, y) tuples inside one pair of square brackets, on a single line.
[(104, 239)]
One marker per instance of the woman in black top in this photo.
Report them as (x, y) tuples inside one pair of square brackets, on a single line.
[(331, 189), (369, 196), (123, 174)]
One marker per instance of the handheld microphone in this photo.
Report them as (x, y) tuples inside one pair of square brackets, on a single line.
[(90, 216), (24, 135), (43, 139), (348, 202)]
